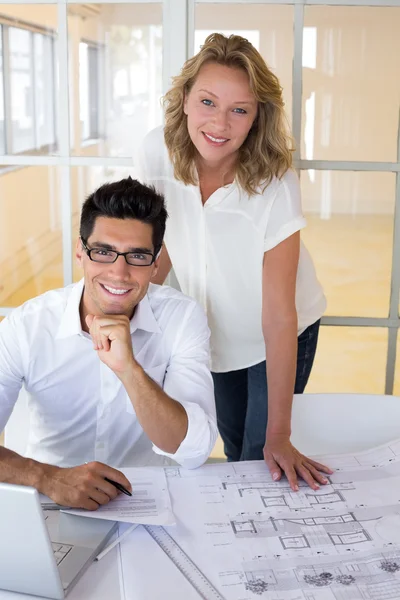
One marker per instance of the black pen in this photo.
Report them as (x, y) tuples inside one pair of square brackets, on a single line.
[(118, 486)]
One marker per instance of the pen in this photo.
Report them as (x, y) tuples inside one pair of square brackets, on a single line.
[(54, 506), (117, 541), (118, 486)]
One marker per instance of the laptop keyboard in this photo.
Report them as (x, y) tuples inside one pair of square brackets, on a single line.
[(60, 551)]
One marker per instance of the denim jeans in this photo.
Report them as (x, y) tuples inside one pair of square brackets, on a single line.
[(242, 400)]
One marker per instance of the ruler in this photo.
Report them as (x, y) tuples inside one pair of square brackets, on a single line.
[(186, 566)]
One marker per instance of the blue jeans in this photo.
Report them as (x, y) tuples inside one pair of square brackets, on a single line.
[(241, 399)]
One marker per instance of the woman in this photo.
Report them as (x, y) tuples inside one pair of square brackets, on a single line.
[(223, 162)]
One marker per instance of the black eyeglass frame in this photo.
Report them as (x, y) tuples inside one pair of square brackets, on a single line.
[(124, 254)]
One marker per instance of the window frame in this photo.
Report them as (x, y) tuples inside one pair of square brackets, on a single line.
[(4, 140), (49, 34), (95, 56)]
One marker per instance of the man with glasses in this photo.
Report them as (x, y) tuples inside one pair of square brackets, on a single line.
[(116, 368)]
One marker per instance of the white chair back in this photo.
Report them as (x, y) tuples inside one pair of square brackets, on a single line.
[(337, 423)]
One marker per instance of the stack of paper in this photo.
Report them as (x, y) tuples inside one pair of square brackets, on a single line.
[(149, 504)]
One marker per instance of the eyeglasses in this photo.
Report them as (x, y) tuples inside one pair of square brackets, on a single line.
[(135, 259)]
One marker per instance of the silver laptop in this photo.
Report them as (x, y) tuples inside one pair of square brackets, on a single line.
[(44, 552)]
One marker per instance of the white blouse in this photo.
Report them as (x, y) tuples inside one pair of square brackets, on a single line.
[(217, 252)]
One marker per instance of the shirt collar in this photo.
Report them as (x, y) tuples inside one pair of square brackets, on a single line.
[(70, 323), (144, 317)]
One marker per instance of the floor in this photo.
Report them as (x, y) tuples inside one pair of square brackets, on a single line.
[(353, 261)]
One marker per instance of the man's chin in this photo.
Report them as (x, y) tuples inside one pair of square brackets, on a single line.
[(115, 310)]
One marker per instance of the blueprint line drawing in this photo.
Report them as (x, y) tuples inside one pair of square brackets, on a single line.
[(374, 577), (256, 538), (340, 530)]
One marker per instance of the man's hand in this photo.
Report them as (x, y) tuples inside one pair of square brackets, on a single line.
[(83, 486), (112, 339), (280, 455)]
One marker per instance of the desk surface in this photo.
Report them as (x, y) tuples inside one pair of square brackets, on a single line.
[(150, 568)]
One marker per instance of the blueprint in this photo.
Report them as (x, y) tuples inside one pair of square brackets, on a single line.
[(256, 538)]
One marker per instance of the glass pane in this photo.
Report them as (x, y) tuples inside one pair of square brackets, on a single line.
[(44, 90), (351, 87), (84, 181), (349, 234), (350, 359), (30, 234), (21, 78), (2, 130), (269, 28), (31, 94), (115, 76)]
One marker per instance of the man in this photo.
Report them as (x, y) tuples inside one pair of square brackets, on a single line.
[(116, 367)]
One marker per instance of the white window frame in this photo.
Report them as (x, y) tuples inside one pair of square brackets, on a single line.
[(95, 92), (179, 16), (33, 30)]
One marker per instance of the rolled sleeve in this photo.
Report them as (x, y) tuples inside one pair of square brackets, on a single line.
[(286, 216), (199, 441), (188, 381)]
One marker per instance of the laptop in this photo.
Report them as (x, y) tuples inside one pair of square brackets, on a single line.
[(44, 552)]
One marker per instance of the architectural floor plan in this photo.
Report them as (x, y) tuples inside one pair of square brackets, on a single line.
[(255, 538)]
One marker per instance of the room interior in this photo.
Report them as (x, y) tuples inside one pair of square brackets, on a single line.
[(81, 84)]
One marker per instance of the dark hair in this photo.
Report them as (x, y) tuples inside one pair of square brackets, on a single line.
[(125, 199)]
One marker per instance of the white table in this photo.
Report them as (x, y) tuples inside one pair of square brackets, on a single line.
[(322, 423)]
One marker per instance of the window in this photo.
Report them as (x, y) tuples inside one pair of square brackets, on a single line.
[(89, 90), (44, 90), (2, 130), (21, 71), (29, 64), (119, 58)]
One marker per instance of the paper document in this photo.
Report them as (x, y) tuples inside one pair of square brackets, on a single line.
[(253, 537), (150, 503)]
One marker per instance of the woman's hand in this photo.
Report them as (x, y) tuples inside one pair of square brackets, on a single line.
[(280, 455)]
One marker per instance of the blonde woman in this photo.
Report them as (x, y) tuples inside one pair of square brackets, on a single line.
[(223, 162)]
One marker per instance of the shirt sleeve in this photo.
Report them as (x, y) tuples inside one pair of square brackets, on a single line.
[(147, 160), (188, 381), (139, 164), (286, 216), (11, 369)]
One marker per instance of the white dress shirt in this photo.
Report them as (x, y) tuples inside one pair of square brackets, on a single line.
[(79, 409), (217, 252)]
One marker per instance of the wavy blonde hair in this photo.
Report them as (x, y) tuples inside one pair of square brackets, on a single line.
[(267, 150)]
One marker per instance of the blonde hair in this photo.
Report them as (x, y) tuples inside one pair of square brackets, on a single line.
[(267, 150)]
